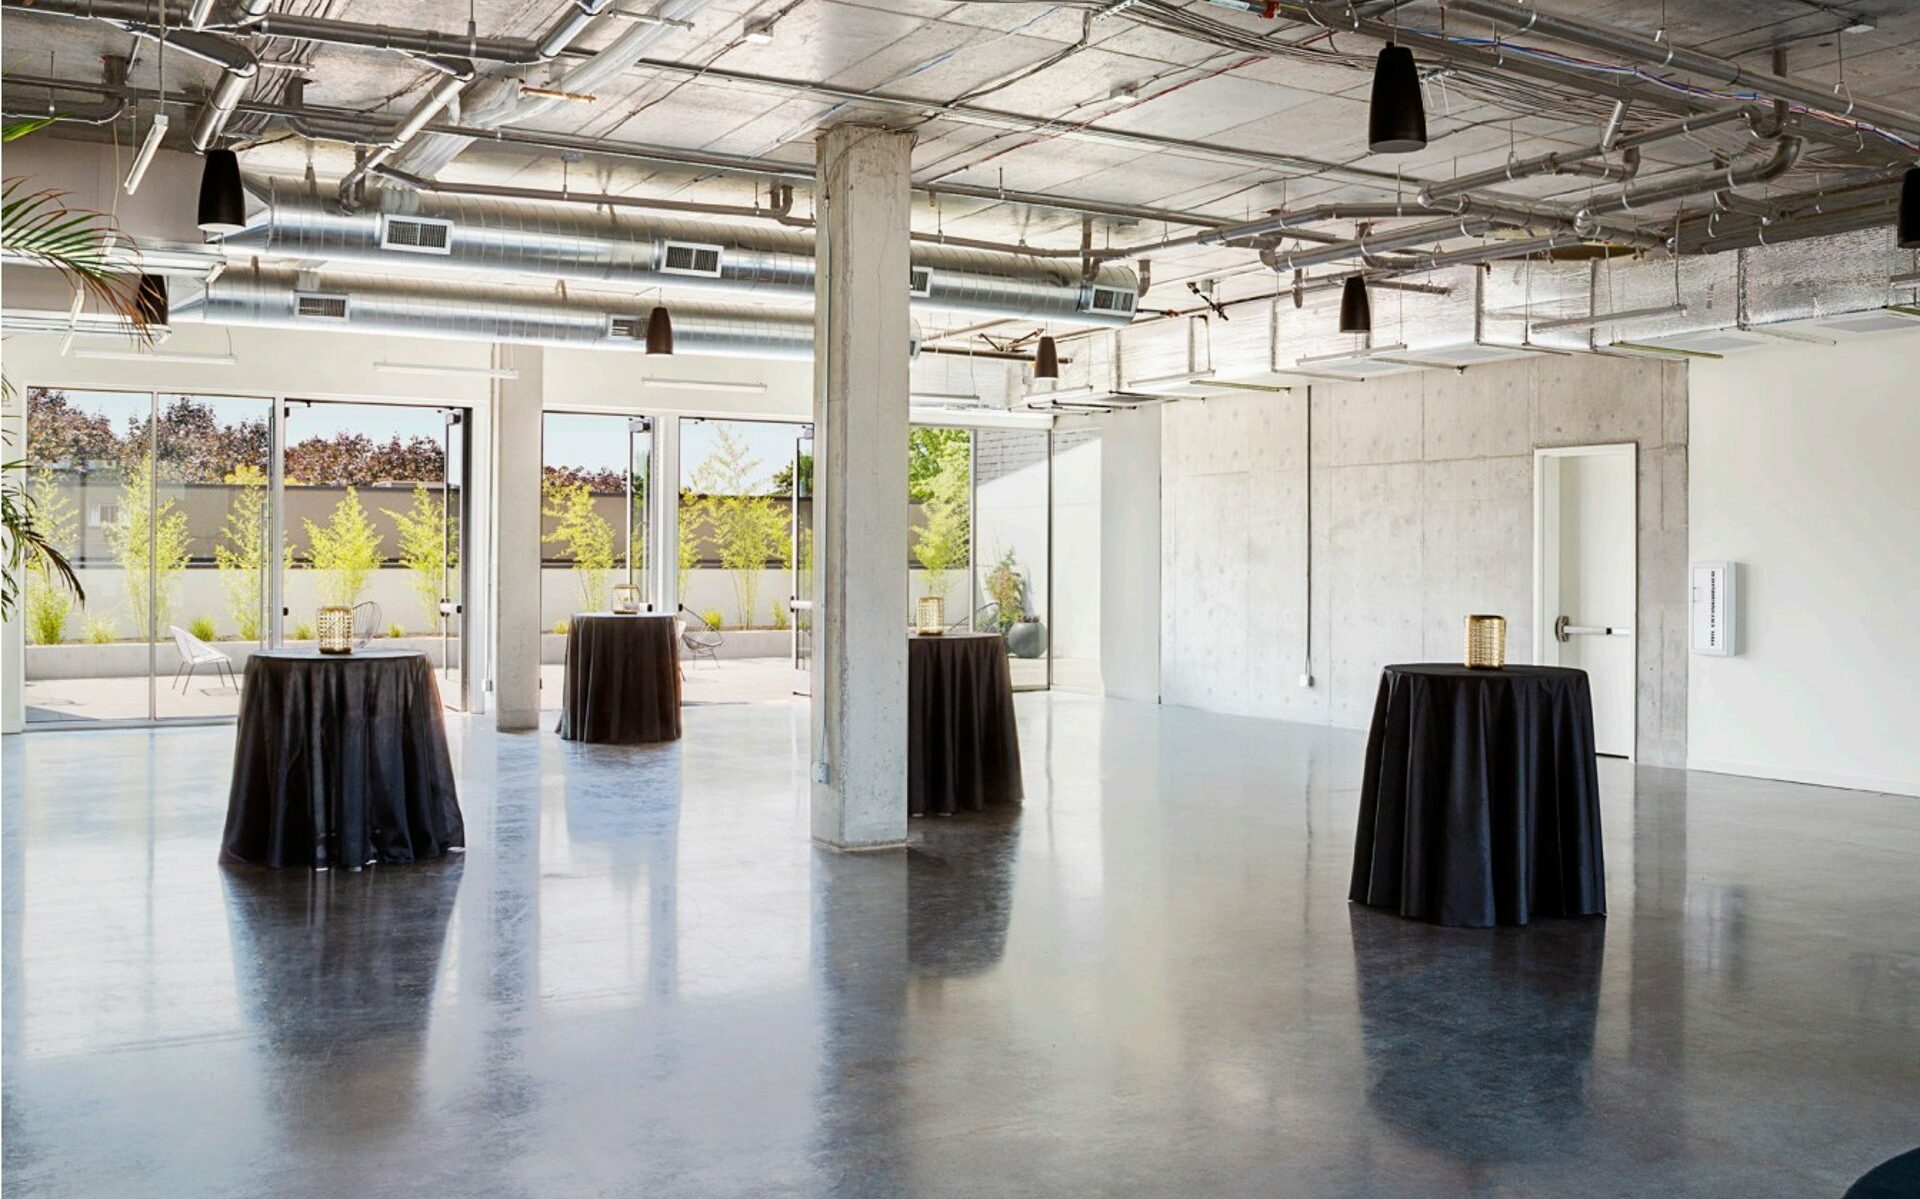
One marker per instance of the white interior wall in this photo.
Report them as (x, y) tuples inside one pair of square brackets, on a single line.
[(1076, 554), (1804, 473), (1130, 465), (1422, 512)]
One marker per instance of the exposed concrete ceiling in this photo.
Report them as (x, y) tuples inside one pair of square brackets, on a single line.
[(1262, 131)]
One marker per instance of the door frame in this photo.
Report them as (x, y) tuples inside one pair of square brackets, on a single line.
[(1546, 517)]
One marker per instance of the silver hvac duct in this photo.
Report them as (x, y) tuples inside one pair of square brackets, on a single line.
[(284, 298), (400, 230)]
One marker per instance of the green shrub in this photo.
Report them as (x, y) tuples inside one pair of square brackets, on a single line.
[(561, 626), (100, 631), (303, 632), (712, 616), (394, 630), (779, 614), (48, 602), (346, 550), (203, 628), (587, 536)]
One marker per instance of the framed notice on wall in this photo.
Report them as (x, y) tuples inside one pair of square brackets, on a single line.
[(1712, 605)]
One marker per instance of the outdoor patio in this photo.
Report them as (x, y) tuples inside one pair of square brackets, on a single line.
[(728, 681)]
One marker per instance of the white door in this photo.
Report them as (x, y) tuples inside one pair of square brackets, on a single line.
[(1587, 577)]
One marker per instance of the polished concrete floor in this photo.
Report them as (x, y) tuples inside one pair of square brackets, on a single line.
[(642, 980)]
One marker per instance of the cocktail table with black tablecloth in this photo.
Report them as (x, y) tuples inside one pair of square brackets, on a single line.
[(1480, 804), (622, 681), (963, 751), (340, 760)]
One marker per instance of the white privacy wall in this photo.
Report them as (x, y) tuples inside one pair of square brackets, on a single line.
[(1422, 512), (1806, 472)]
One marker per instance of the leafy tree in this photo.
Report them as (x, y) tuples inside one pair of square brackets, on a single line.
[(929, 451), (940, 544), (1008, 589), (48, 600), (747, 528), (356, 460), (346, 548), (151, 543), (587, 536), (241, 555), (428, 549)]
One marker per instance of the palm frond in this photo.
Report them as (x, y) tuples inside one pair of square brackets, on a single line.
[(38, 227), (19, 129)]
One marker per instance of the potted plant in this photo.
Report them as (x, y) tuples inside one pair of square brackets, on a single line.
[(1026, 634)]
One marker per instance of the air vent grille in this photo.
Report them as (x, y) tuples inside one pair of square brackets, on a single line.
[(922, 282), (1112, 299), (687, 258), (417, 235), (320, 306), (628, 327)]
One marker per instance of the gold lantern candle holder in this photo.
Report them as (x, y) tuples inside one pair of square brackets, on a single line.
[(930, 616), (1486, 642), (626, 598), (333, 626)]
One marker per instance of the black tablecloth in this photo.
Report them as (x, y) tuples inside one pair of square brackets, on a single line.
[(1481, 803), (963, 752), (623, 679), (340, 760)]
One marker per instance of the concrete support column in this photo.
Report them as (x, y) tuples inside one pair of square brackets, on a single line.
[(515, 411), (861, 328)]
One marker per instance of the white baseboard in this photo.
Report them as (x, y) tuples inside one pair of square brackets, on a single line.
[(1818, 778)]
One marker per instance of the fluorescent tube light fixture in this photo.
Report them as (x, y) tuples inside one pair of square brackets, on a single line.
[(156, 133), (704, 385), (1608, 318), (181, 358), (447, 370)]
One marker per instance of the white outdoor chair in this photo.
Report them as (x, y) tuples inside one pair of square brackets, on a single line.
[(195, 653)]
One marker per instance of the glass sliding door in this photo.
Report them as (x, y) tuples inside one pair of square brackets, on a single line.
[(371, 517), (1012, 545), (639, 565), (940, 521), (453, 604), (89, 465), (209, 534), (162, 504), (737, 546), (800, 556)]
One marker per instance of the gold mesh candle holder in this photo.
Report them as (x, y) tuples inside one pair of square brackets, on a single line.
[(333, 626), (930, 616), (1486, 642)]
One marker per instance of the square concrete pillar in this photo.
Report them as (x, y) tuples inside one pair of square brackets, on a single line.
[(516, 537), (861, 329)]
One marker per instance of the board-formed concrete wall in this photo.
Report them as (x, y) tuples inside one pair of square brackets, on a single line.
[(1422, 513)]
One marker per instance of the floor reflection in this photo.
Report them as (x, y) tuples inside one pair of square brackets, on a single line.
[(337, 971), (960, 891), (1479, 1044)]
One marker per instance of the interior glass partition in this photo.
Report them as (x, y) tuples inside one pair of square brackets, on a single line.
[(161, 503), (1074, 644)]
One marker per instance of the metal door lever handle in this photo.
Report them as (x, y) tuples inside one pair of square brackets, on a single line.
[(1564, 629)]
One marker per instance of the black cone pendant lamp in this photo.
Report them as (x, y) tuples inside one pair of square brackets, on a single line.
[(1397, 119), (223, 206), (1910, 209), (150, 299), (1356, 314), (659, 331), (1046, 360)]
